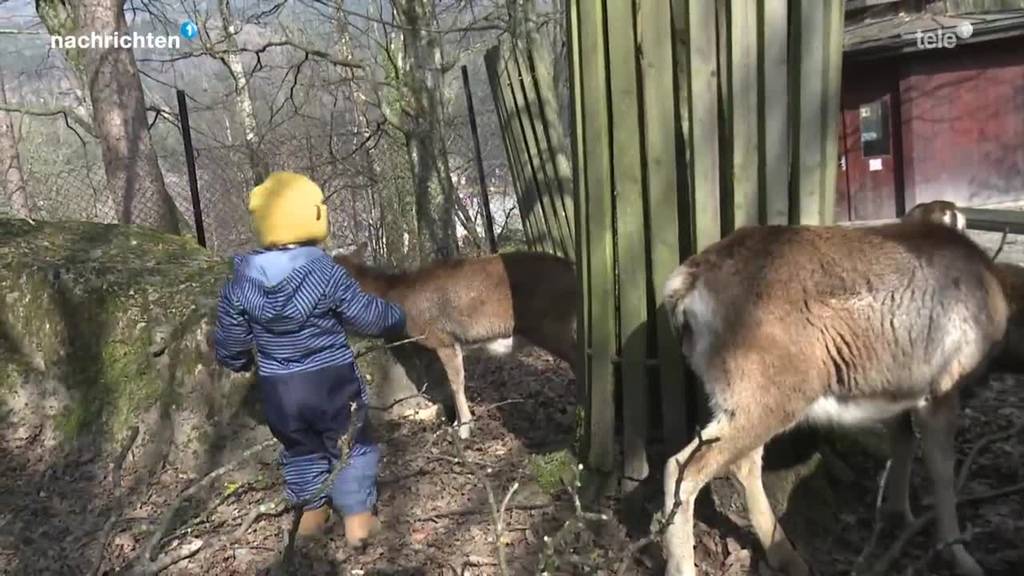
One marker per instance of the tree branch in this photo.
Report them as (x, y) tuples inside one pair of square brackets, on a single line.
[(69, 115)]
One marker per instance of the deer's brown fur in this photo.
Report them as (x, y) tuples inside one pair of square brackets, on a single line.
[(787, 325), (476, 301)]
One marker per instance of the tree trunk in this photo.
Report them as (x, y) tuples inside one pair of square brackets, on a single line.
[(435, 202), (111, 78), (11, 179), (243, 97)]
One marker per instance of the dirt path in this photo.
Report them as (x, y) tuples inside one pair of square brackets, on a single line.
[(435, 507)]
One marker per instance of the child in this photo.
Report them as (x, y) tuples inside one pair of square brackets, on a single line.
[(293, 303)]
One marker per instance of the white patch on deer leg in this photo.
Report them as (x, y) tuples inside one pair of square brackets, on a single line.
[(857, 411), (501, 346)]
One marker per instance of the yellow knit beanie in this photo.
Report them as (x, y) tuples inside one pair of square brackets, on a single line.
[(288, 208)]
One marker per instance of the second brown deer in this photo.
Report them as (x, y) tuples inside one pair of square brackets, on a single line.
[(483, 301), (848, 326)]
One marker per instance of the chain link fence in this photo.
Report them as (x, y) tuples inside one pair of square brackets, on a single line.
[(354, 182)]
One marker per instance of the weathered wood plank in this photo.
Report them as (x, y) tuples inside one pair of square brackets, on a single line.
[(808, 169), (743, 70), (525, 95), (703, 114), (540, 61), (630, 241), (833, 48), (654, 37), (492, 59), (601, 405), (531, 196), (582, 236), (775, 145)]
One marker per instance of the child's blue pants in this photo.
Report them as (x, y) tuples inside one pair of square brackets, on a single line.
[(308, 412)]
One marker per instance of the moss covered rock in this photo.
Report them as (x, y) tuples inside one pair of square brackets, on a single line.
[(105, 327)]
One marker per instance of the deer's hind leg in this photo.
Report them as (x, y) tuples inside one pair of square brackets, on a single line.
[(937, 421), (902, 444), (451, 359), (734, 438), (776, 544)]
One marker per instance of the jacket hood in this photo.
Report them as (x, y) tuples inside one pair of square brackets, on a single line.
[(279, 288)]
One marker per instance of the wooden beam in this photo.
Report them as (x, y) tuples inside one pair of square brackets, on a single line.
[(582, 236), (743, 69), (601, 404), (811, 71), (654, 38), (832, 79), (702, 67), (629, 240), (775, 143)]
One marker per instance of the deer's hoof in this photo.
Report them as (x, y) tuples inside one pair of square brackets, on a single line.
[(965, 564), (465, 430)]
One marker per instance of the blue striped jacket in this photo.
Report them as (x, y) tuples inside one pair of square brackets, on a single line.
[(293, 306)]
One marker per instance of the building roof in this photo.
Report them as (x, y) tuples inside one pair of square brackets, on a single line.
[(899, 33)]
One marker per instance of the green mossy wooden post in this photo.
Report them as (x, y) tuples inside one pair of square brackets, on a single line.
[(630, 253), (744, 137), (598, 211), (774, 152), (666, 187), (582, 234)]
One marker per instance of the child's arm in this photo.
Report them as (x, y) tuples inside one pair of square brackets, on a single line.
[(366, 313), (233, 341)]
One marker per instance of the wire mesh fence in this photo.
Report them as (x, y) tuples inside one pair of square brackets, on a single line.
[(59, 188)]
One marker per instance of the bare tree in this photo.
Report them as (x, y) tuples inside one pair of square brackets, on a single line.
[(242, 95), (421, 79), (112, 81), (11, 178)]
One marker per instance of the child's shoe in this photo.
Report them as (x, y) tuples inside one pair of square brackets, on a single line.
[(360, 527), (314, 522)]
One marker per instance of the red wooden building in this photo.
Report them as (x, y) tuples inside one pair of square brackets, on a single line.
[(932, 108)]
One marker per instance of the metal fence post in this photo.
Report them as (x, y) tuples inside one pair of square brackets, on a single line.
[(190, 163), (492, 241)]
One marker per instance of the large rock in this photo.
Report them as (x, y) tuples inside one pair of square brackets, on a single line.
[(107, 327)]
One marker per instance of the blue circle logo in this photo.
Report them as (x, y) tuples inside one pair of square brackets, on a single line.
[(188, 30)]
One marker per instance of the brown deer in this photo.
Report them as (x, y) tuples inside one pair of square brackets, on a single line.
[(1011, 277), (792, 325), (938, 212), (459, 303)]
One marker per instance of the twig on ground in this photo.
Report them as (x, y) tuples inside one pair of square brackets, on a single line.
[(477, 510), (115, 476), (418, 394), (275, 508), (882, 566), (498, 518), (149, 564), (497, 513), (877, 528), (665, 522), (969, 461), (118, 465)]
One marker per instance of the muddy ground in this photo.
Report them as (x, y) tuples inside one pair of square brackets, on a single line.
[(64, 515)]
